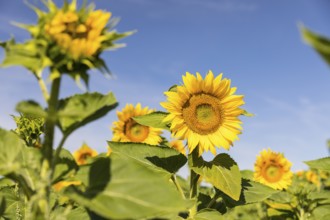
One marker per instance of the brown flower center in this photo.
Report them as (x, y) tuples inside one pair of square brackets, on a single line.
[(202, 113), (136, 132), (273, 173)]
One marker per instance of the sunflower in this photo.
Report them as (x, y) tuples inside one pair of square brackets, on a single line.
[(205, 112), (273, 169), (77, 35), (83, 153), (312, 177), (178, 145), (128, 130)]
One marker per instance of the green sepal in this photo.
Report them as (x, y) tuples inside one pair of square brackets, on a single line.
[(247, 114), (320, 43), (222, 172), (154, 119), (30, 54)]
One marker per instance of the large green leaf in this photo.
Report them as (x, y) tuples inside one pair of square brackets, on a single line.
[(161, 158), (31, 108), (65, 166), (78, 110), (222, 172), (11, 203), (154, 119), (252, 192), (120, 187), (320, 43), (208, 214), (320, 164), (11, 148)]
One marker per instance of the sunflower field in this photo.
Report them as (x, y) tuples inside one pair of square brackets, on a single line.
[(137, 176)]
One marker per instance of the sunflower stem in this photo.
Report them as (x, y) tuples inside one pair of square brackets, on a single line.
[(175, 181), (194, 176), (214, 199), (49, 140), (57, 154)]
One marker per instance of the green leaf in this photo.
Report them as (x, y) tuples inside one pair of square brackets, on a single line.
[(154, 119), (320, 164), (78, 110), (222, 172), (120, 187), (29, 55), (11, 203), (252, 192), (65, 167), (282, 197), (160, 158), (11, 148), (208, 214), (247, 174), (31, 108), (320, 43), (61, 213)]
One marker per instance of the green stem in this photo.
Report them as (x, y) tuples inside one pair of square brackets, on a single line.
[(194, 176), (193, 184), (173, 177), (214, 199), (57, 154), (51, 120), (42, 85)]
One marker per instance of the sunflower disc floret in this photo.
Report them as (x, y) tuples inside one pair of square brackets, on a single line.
[(204, 112), (273, 169), (128, 130)]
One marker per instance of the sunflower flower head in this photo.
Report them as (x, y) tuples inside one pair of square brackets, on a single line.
[(312, 177), (204, 112), (126, 129), (78, 34), (83, 153), (273, 169), (178, 145)]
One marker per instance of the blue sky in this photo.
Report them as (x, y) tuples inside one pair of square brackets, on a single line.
[(255, 43)]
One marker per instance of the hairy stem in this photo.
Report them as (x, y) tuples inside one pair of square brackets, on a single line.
[(175, 181), (51, 120), (42, 86), (57, 154)]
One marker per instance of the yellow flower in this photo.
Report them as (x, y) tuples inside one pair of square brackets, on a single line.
[(74, 35), (178, 145), (300, 173), (128, 130), (313, 178), (83, 153), (62, 184), (205, 112), (273, 169)]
